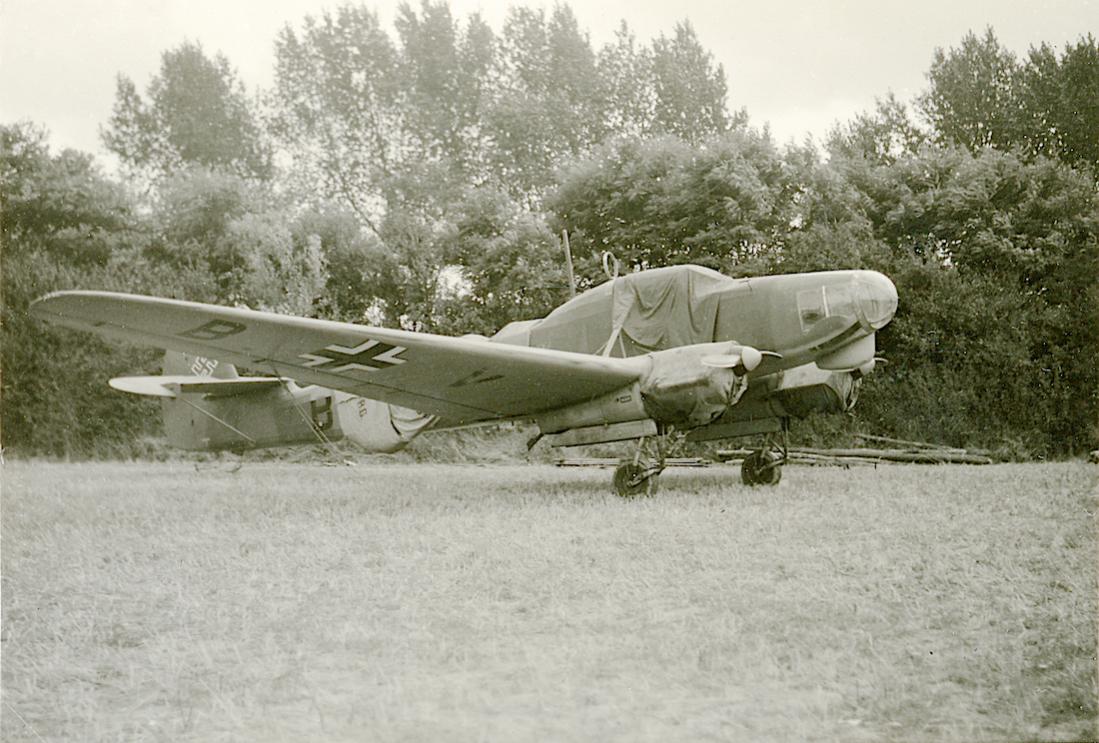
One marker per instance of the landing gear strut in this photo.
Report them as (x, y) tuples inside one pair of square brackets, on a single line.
[(764, 466), (637, 476)]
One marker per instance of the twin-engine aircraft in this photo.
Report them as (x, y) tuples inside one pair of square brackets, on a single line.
[(655, 357)]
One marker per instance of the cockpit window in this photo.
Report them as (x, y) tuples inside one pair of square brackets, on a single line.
[(840, 300), (828, 301)]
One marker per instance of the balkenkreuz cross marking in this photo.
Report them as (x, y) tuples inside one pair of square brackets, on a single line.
[(370, 355)]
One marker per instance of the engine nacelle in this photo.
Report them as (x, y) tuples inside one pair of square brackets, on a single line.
[(691, 386), (686, 387)]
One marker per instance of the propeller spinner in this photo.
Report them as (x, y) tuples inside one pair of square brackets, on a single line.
[(742, 359)]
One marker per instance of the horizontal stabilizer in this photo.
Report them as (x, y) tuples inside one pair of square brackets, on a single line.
[(173, 386)]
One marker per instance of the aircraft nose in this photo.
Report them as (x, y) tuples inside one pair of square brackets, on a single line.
[(877, 298)]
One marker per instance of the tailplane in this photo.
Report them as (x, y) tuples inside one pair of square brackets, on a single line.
[(179, 364)]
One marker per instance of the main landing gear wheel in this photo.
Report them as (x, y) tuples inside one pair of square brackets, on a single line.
[(637, 476), (761, 468), (764, 466), (632, 480)]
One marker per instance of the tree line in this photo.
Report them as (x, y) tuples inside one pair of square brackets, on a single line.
[(421, 176)]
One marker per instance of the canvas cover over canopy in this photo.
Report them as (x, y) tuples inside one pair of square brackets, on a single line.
[(640, 312), (667, 309)]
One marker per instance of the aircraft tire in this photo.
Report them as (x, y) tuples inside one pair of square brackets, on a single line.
[(625, 486), (748, 470), (770, 476), (754, 469)]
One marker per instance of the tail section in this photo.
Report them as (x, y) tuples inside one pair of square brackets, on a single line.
[(270, 415), (208, 406)]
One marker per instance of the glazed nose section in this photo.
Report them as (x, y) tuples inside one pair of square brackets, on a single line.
[(877, 298)]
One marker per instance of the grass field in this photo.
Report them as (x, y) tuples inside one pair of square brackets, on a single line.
[(527, 603)]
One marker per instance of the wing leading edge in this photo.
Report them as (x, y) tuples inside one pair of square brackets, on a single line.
[(464, 380)]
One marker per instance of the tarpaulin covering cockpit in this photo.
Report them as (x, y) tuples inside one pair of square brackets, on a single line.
[(640, 312), (667, 309)]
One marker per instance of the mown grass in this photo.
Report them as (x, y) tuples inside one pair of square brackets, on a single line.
[(420, 602)]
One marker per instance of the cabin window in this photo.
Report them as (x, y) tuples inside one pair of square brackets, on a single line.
[(811, 307)]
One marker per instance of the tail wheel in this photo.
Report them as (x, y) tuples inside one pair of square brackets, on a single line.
[(632, 480), (761, 468)]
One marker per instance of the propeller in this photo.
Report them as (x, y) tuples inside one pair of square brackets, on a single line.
[(741, 360)]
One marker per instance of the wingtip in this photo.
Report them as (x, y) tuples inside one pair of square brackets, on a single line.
[(68, 307), (39, 307), (51, 304), (46, 306)]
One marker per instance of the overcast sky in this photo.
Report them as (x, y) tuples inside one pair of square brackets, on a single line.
[(795, 64)]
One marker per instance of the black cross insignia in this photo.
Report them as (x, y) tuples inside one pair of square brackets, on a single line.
[(370, 355)]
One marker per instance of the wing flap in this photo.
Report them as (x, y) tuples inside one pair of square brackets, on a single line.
[(464, 380)]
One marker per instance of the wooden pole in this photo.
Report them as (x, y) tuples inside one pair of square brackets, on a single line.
[(923, 456), (568, 262), (905, 442)]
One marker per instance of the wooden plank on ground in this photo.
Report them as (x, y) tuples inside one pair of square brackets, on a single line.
[(923, 456), (610, 462)]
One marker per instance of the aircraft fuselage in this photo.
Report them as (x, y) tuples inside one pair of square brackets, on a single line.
[(803, 317)]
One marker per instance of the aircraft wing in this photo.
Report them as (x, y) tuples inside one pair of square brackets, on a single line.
[(462, 379)]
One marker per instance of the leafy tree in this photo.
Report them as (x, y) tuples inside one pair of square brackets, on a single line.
[(1011, 248), (56, 399), (546, 107), (974, 94), (444, 74), (981, 95), (724, 203), (193, 211), (346, 251), (63, 201), (359, 110), (627, 89), (405, 270), (396, 131), (272, 271), (959, 367), (1060, 100), (341, 105), (510, 261), (245, 238), (197, 113), (887, 133), (689, 90), (827, 227), (196, 205), (66, 227)]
